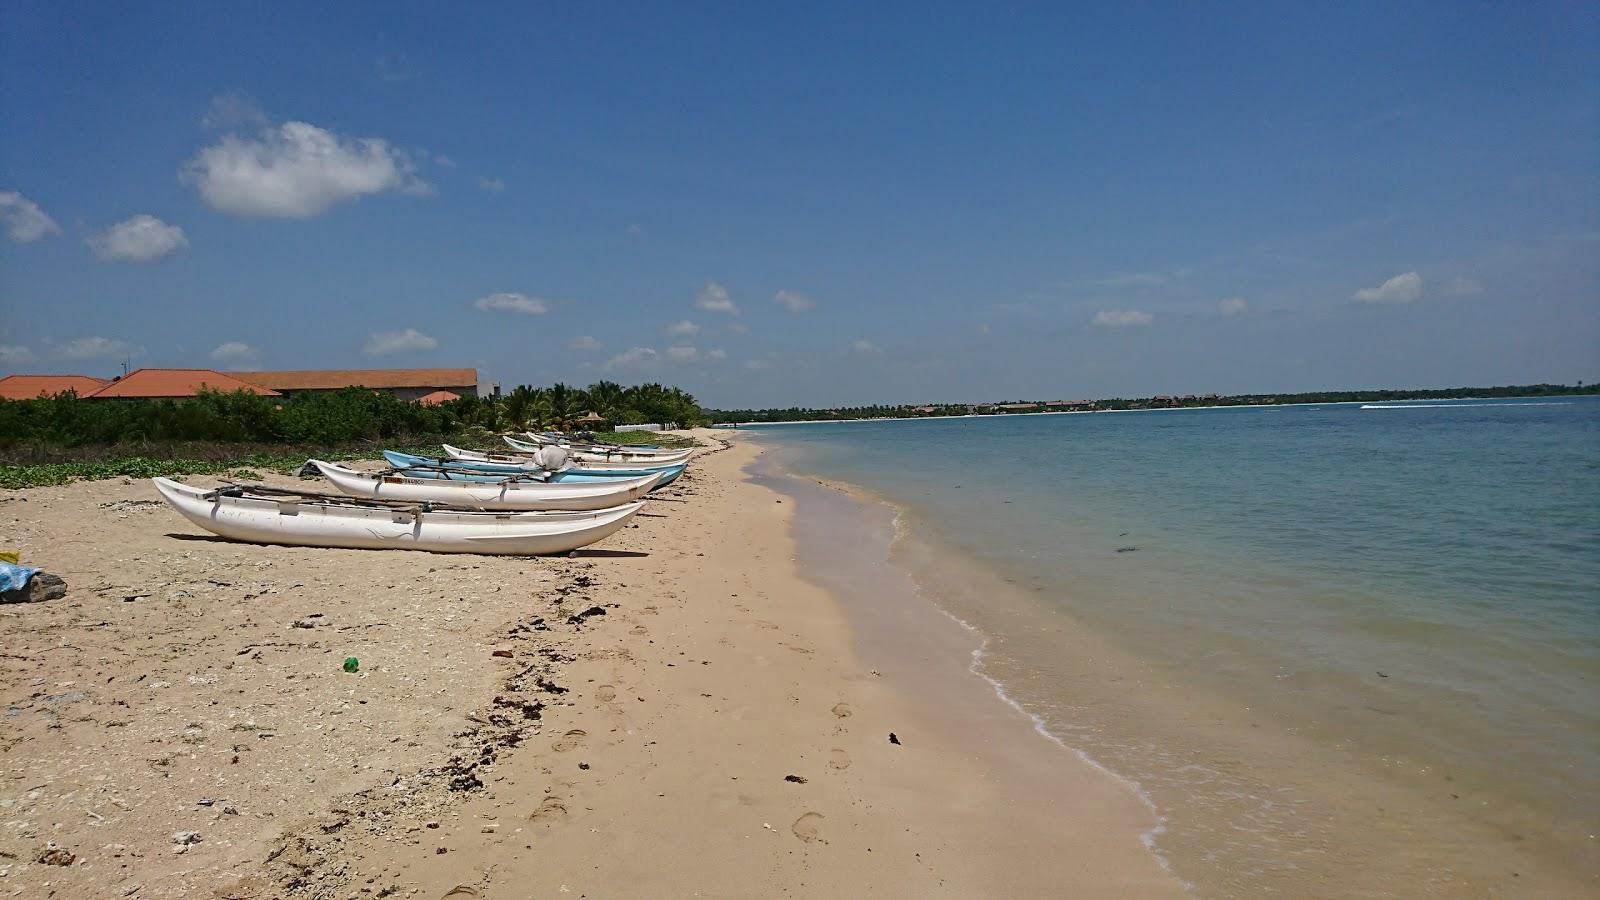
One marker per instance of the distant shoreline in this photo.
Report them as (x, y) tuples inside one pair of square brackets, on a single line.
[(1156, 409)]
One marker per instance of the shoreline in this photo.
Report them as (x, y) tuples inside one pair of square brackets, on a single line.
[(1415, 825), (675, 711), (932, 625), (980, 651)]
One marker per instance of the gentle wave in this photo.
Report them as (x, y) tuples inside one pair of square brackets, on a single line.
[(1149, 837)]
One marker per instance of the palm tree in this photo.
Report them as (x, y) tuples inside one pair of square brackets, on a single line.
[(519, 409), (604, 398), (565, 405)]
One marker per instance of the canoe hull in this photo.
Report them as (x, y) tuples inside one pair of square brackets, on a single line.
[(639, 450), (604, 458), (582, 458), (527, 495), (307, 523), (498, 470)]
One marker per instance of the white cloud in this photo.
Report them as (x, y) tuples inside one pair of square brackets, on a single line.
[(634, 358), (1460, 287), (97, 348), (235, 353), (1136, 279), (517, 303), (864, 347), (1122, 318), (443, 160), (716, 354), (11, 354), (635, 231), (714, 298), (492, 185), (139, 239), (382, 342), (297, 170), (792, 301), (758, 365), (1402, 288), (24, 221), (683, 354), (1233, 306), (738, 328), (983, 328), (583, 342), (684, 328)]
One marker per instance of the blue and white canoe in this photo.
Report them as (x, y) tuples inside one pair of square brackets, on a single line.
[(602, 493), (466, 470)]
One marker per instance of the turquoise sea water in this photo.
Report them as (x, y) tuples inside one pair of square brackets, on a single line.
[(1411, 590)]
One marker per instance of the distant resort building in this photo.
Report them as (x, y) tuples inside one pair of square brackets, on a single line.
[(32, 387), (427, 386), (438, 397), (407, 384), (172, 384)]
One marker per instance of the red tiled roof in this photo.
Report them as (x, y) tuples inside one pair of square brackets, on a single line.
[(437, 397), (329, 379), (28, 387), (152, 383)]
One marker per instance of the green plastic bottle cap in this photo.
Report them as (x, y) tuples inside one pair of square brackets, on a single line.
[(351, 664)]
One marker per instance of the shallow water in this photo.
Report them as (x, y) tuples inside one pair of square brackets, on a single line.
[(1344, 649)]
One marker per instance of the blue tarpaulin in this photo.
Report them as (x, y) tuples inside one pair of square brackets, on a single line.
[(15, 578)]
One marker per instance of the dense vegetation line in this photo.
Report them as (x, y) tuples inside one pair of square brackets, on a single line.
[(60, 439), (326, 418)]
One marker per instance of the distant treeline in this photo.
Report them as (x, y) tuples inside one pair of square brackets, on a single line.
[(330, 418), (800, 414)]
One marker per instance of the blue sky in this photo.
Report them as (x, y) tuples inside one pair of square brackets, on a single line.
[(818, 205)]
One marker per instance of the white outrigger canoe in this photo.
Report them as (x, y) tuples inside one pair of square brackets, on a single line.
[(628, 450), (508, 494), (259, 515), (600, 459)]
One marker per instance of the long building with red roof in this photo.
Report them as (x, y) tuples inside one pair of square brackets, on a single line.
[(31, 387), (158, 384), (407, 384)]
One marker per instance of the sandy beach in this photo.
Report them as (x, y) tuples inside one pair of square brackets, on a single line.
[(677, 711)]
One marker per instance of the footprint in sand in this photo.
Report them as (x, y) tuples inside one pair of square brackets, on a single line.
[(638, 629), (649, 610), (606, 693), (569, 741), (808, 827), (551, 810), (842, 710), (838, 759), (763, 623)]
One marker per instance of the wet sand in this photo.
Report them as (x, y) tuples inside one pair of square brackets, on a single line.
[(676, 711)]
